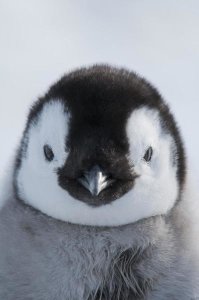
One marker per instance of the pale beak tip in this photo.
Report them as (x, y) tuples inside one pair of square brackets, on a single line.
[(95, 192)]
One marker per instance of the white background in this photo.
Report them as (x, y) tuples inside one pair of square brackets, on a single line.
[(42, 39)]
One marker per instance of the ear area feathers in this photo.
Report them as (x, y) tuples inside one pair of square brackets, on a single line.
[(48, 126), (143, 129)]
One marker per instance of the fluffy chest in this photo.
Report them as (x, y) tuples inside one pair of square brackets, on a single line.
[(88, 263), (93, 265), (56, 260)]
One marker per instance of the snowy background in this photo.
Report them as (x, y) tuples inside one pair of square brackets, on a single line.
[(42, 39)]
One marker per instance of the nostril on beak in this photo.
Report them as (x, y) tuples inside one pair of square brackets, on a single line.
[(95, 180)]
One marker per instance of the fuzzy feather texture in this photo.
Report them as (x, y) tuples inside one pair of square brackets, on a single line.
[(43, 258), (141, 246)]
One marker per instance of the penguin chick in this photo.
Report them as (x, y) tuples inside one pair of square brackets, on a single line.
[(95, 204)]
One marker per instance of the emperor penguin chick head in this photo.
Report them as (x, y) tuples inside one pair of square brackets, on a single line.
[(100, 148)]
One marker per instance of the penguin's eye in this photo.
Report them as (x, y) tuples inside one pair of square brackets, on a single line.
[(48, 152), (148, 154)]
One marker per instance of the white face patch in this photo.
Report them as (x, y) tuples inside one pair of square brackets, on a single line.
[(154, 192), (156, 189)]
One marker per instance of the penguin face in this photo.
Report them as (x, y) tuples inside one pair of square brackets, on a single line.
[(101, 148)]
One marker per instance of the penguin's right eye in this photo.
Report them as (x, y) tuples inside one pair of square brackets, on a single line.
[(48, 152), (148, 154)]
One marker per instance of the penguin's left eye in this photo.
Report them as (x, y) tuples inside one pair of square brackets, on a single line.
[(148, 154), (48, 152)]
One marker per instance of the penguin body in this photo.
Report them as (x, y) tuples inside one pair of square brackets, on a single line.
[(98, 206), (42, 258)]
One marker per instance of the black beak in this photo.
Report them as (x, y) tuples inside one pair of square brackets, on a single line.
[(95, 180)]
